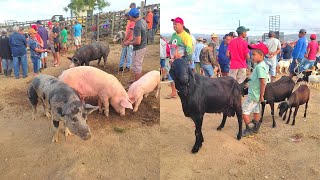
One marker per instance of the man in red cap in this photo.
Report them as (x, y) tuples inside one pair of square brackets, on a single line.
[(183, 43), (311, 54), (51, 41), (256, 89)]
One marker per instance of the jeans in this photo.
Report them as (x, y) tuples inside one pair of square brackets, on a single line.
[(306, 64), (149, 36), (36, 62), (17, 61), (126, 53), (7, 66), (208, 69), (153, 34)]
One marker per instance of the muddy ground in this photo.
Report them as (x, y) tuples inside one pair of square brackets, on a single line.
[(120, 147), (271, 154)]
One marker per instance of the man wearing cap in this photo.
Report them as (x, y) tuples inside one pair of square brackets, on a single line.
[(126, 52), (18, 44), (215, 41), (56, 34), (232, 34), (196, 55), (238, 53), (223, 59), (149, 20), (44, 36), (5, 53), (299, 51), (77, 30), (274, 47), (256, 90), (35, 50), (207, 60), (311, 54), (139, 42)]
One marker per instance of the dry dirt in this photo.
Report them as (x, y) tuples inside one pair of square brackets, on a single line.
[(120, 147), (270, 154)]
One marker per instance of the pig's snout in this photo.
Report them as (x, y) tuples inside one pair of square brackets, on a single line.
[(86, 136)]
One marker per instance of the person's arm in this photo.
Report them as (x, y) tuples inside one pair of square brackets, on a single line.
[(262, 88), (297, 50), (247, 56), (308, 51)]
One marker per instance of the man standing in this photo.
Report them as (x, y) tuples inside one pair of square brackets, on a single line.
[(5, 53), (207, 61), (126, 52), (56, 34), (77, 30), (154, 24), (298, 51), (196, 55), (215, 41), (18, 44), (238, 53), (274, 47), (139, 42), (64, 40), (44, 36), (223, 59), (149, 20), (51, 41)]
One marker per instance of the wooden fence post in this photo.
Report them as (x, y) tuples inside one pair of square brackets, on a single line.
[(86, 30), (98, 27), (112, 26), (142, 9)]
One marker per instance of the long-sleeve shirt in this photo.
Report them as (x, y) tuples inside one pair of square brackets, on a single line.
[(197, 50), (18, 44), (206, 57), (5, 50), (222, 55), (300, 49)]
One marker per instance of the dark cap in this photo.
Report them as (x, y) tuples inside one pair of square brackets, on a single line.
[(242, 29), (233, 34), (39, 22), (271, 33), (303, 31)]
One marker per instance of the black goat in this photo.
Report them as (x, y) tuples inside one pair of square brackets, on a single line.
[(200, 95), (298, 97), (276, 92)]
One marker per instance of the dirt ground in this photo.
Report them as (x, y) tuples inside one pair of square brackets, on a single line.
[(120, 147), (271, 154)]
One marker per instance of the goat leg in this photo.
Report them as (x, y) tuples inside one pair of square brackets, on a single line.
[(197, 119), (262, 110), (305, 110), (223, 122), (294, 115), (239, 116), (285, 115), (289, 116), (272, 113)]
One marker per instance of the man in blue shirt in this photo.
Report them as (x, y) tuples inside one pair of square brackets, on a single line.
[(77, 29), (18, 44), (298, 51), (154, 24), (196, 54), (223, 59)]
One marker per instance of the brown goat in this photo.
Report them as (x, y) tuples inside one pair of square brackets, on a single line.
[(297, 98)]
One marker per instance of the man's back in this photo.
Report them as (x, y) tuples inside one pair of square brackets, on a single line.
[(199, 46), (273, 44), (238, 48), (300, 48), (44, 35), (287, 52), (5, 50), (18, 44), (77, 30), (140, 29)]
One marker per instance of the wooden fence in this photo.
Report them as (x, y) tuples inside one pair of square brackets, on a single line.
[(106, 24)]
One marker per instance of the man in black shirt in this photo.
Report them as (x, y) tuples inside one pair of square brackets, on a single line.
[(5, 53), (56, 34)]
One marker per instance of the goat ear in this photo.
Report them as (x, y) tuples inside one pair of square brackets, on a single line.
[(190, 72)]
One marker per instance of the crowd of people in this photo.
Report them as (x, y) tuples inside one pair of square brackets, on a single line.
[(40, 41), (235, 57)]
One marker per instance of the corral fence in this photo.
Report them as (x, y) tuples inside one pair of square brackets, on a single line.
[(98, 27)]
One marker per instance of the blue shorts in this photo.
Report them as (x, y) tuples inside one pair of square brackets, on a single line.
[(225, 68), (272, 65), (162, 63), (208, 69)]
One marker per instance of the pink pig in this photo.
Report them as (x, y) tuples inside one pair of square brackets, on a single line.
[(142, 87), (91, 81)]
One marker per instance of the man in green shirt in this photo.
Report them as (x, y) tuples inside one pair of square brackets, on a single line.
[(64, 40), (256, 90)]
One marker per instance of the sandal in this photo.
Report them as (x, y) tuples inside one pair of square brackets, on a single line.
[(171, 97)]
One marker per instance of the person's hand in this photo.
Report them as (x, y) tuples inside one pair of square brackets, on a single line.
[(306, 56), (261, 99), (296, 61)]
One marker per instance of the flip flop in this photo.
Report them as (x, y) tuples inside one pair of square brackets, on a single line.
[(171, 97)]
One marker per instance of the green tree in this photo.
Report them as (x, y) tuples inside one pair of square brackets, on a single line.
[(82, 5)]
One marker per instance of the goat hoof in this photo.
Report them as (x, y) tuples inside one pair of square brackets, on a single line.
[(273, 126), (239, 137), (219, 128), (195, 149), (287, 122)]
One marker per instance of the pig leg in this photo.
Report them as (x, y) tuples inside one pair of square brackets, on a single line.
[(99, 61), (100, 105), (158, 91), (104, 60), (137, 103), (66, 131), (46, 109), (56, 135), (106, 106), (34, 111)]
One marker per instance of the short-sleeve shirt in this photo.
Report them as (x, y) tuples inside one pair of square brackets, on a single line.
[(287, 52), (140, 29), (222, 55), (149, 20), (33, 44), (77, 30), (44, 35), (273, 45), (260, 71), (184, 42), (64, 36), (130, 26), (313, 45), (238, 48), (56, 30)]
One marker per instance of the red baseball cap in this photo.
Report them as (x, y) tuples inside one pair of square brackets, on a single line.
[(313, 36), (178, 20), (49, 23), (260, 46)]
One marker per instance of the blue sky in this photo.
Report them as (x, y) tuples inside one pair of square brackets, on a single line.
[(28, 10), (207, 16)]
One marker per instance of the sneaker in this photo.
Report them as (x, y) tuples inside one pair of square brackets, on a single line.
[(163, 79), (121, 69), (248, 131), (256, 126), (127, 69), (45, 65)]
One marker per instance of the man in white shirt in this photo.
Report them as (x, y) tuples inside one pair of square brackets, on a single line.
[(196, 54), (274, 47)]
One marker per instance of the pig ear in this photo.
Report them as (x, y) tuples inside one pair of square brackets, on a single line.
[(126, 104), (89, 108)]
